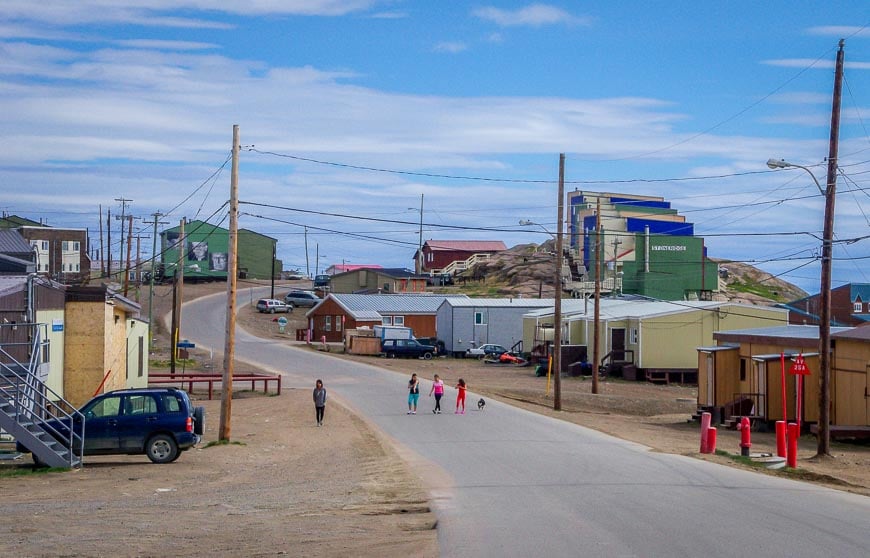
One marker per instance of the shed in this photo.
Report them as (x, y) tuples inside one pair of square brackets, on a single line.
[(465, 323)]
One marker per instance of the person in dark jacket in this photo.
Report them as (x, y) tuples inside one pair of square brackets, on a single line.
[(319, 401)]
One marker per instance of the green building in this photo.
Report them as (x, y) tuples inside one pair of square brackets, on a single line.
[(670, 268), (205, 249)]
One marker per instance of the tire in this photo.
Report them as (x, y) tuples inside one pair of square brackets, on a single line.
[(391, 355), (199, 421), (271, 310), (161, 448), (481, 357), (427, 356)]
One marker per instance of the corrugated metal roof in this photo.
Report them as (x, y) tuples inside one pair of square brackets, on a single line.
[(616, 308), (361, 306), (783, 331), (502, 302), (861, 332), (11, 242), (467, 245)]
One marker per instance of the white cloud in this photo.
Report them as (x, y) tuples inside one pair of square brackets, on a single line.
[(166, 45), (535, 15), (453, 47), (841, 31)]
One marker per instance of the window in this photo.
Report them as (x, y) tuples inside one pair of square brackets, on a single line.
[(327, 323), (140, 405), (76, 246), (338, 323), (141, 360), (634, 336), (742, 369), (479, 318), (387, 320), (44, 244), (398, 320), (106, 407), (77, 267), (858, 308), (64, 246), (170, 403)]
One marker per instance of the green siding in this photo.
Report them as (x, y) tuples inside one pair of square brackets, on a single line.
[(675, 269)]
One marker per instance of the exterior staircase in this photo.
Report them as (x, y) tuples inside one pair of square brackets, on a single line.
[(27, 403)]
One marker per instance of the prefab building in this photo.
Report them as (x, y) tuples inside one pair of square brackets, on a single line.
[(462, 324)]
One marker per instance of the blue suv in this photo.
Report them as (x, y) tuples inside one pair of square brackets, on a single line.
[(159, 422)]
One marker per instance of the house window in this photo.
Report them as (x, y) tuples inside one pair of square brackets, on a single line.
[(64, 246), (44, 244), (338, 323), (398, 320), (633, 336), (327, 323), (479, 318), (742, 369), (858, 307), (77, 267), (76, 246), (387, 320)]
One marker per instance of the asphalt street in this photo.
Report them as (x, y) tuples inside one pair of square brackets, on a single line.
[(507, 482)]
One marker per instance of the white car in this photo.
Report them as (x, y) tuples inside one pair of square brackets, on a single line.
[(485, 350), (270, 306)]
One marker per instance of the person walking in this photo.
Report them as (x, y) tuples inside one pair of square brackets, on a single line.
[(438, 390), (413, 394), (319, 401), (460, 397)]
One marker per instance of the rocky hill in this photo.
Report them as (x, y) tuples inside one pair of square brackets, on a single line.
[(527, 270)]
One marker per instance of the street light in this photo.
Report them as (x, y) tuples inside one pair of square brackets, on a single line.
[(557, 316), (824, 303)]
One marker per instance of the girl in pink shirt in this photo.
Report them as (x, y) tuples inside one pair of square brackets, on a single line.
[(438, 390)]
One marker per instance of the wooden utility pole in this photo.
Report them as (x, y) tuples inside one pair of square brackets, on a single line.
[(596, 354), (557, 315), (138, 266), (232, 279), (153, 273), (123, 202), (272, 295), (307, 266), (102, 261), (824, 439), (129, 247), (177, 296), (109, 242)]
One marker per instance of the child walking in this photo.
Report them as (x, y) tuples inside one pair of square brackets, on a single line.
[(319, 401), (460, 397), (413, 394), (438, 390)]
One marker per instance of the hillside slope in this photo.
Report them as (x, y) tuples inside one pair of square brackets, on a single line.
[(527, 270)]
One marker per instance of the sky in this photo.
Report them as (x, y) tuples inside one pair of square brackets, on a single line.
[(350, 110)]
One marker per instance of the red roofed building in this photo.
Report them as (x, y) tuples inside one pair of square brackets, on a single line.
[(449, 256)]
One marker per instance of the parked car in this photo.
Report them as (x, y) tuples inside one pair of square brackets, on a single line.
[(393, 348), (302, 299), (159, 422), (271, 305), (485, 351), (321, 280)]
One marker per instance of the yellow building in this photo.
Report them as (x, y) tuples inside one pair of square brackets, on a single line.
[(653, 336)]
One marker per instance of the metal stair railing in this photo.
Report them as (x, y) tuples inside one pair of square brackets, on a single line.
[(27, 404)]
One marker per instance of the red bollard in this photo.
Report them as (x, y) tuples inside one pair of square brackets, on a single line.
[(711, 439), (745, 436), (793, 435), (705, 427), (781, 438)]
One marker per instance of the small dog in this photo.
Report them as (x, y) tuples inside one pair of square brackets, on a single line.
[(481, 404)]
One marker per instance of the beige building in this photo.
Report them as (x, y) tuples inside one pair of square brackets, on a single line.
[(653, 336)]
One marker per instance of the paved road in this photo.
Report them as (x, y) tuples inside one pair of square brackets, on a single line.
[(506, 482)]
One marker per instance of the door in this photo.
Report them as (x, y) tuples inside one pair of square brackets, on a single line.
[(139, 417), (709, 393), (617, 344), (101, 424), (759, 389)]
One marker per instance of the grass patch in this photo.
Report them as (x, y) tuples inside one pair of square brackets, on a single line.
[(25, 470), (757, 289), (166, 363)]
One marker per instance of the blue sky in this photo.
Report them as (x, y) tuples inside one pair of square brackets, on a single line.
[(103, 99)]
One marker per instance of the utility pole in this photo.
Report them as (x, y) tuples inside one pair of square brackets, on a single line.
[(557, 317), (129, 247), (273, 271), (102, 261), (156, 216), (616, 243), (316, 258), (108, 274), (123, 201), (177, 297), (138, 266), (596, 355), (420, 241), (232, 277), (307, 267), (824, 439)]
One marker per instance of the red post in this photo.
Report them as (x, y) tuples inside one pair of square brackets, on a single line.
[(705, 428), (800, 396), (745, 436), (711, 439), (782, 379), (781, 438), (793, 434)]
